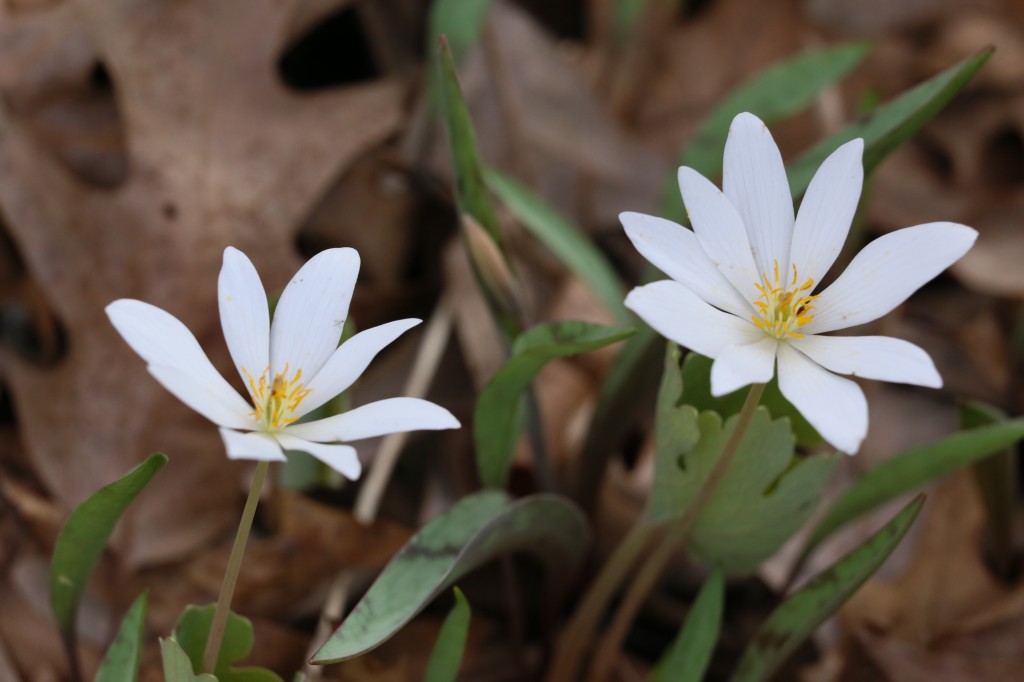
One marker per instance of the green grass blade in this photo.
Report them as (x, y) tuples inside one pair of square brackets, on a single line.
[(497, 418), (892, 123), (910, 470), (121, 662), (565, 240), (451, 643), (797, 617), (689, 654), (83, 538)]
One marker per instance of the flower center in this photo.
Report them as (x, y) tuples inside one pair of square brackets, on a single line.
[(783, 307), (276, 400)]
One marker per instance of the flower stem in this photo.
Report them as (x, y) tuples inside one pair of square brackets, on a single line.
[(674, 537), (580, 630), (227, 587)]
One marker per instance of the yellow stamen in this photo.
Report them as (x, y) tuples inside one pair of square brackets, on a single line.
[(276, 400), (783, 309)]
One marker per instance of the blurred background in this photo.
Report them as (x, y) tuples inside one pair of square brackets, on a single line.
[(138, 138)]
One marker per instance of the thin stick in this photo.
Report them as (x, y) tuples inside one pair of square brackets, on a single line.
[(435, 340), (227, 587)]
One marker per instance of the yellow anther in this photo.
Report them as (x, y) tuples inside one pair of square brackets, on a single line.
[(783, 310)]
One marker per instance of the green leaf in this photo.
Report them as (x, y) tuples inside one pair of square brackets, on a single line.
[(121, 662), (996, 478), (461, 21), (891, 124), (797, 617), (497, 417), (774, 94), (477, 529), (688, 656), (564, 240), (81, 541), (192, 631), (764, 497), (177, 666), (697, 392), (470, 188), (909, 470), (451, 643)]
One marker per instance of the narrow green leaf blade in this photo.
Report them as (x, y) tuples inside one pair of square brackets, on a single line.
[(774, 94), (495, 423), (891, 124), (797, 617), (911, 469), (121, 662), (689, 654), (81, 541), (564, 240), (461, 21), (476, 530), (470, 188), (451, 643)]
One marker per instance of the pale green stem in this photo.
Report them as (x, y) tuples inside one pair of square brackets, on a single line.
[(652, 567), (227, 587), (572, 645)]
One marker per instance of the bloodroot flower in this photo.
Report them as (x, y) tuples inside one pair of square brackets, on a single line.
[(290, 367), (744, 287)]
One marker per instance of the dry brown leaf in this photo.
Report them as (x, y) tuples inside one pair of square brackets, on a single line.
[(220, 153)]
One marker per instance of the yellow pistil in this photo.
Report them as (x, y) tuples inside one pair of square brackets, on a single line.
[(276, 400), (783, 308)]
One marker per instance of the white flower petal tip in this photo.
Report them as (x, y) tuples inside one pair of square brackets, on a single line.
[(349, 361), (834, 406), (342, 458), (739, 366), (253, 445), (392, 415)]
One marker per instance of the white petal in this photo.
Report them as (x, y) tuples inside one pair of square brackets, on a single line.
[(872, 357), (311, 312), (678, 314), (835, 406), (349, 361), (253, 445), (244, 315), (754, 180), (175, 358), (674, 250), (827, 210), (886, 272), (341, 458), (739, 366), (393, 415), (720, 231), (222, 406)]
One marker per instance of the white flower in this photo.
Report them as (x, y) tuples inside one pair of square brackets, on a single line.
[(290, 367), (744, 281)]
